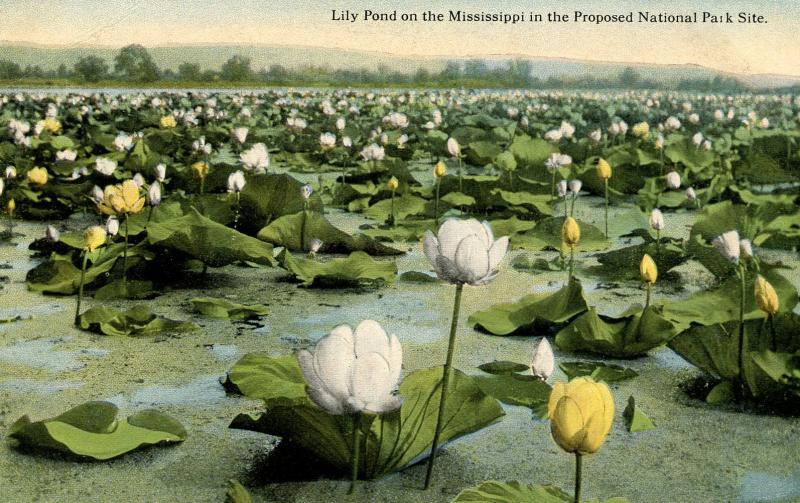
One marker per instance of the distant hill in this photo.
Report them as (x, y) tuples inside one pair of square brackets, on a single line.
[(212, 57)]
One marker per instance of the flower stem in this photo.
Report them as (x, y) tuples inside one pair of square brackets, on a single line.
[(303, 229), (356, 449), (647, 298), (553, 187), (565, 206), (741, 331), (80, 289), (391, 215), (571, 262), (606, 217), (125, 260), (451, 345), (436, 204), (578, 474), (236, 213), (773, 333), (572, 206)]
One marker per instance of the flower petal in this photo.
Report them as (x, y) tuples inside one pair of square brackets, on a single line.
[(472, 259), (497, 252)]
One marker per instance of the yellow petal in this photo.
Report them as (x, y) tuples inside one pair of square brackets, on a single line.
[(130, 192), (559, 390), (567, 425)]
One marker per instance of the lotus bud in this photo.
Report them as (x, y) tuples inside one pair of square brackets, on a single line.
[(562, 188), (161, 172), (240, 134), (728, 246), (167, 122), (575, 187), (440, 169), (673, 180), (453, 148), (657, 220), (138, 179), (766, 297), (112, 225), (543, 363), (11, 205), (93, 238), (306, 191), (236, 181), (641, 129), (154, 194), (697, 139), (603, 169), (52, 234), (648, 270), (97, 194), (200, 169), (37, 176), (691, 195), (392, 184), (581, 413), (570, 232), (314, 246), (10, 172), (745, 249)]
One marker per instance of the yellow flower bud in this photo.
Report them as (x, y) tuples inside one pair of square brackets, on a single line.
[(603, 169), (11, 206), (766, 297), (52, 126), (570, 232), (37, 176), (94, 237), (581, 413), (393, 183), (167, 122), (200, 169), (648, 270), (641, 129), (440, 170)]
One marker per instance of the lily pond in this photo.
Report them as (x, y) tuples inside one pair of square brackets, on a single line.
[(399, 296)]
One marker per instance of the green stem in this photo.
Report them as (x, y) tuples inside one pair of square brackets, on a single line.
[(658, 245), (741, 331), (773, 333), (436, 204), (80, 289), (578, 475), (606, 217), (647, 298), (391, 216), (236, 213), (553, 187), (451, 345), (572, 206), (571, 262), (125, 260), (356, 449), (303, 229), (565, 206), (149, 216)]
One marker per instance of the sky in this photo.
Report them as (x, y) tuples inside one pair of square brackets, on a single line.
[(742, 48)]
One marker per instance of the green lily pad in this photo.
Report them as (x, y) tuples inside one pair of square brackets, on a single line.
[(630, 335), (516, 492), (267, 197), (525, 263), (224, 309), (503, 367), (517, 389), (286, 230), (597, 370), (138, 320), (358, 269), (262, 377), (417, 277), (404, 206), (547, 236), (208, 241), (237, 493), (457, 199), (635, 419), (624, 262), (91, 430), (131, 289), (393, 440), (532, 312)]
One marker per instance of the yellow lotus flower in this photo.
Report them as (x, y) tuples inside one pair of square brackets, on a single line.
[(123, 199), (52, 126), (200, 169), (603, 169), (570, 232), (766, 297), (37, 176), (167, 122), (11, 206), (581, 413), (94, 237), (648, 270), (641, 129), (392, 184), (440, 169)]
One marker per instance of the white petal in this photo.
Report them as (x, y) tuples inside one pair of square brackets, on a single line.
[(370, 337), (497, 252), (472, 259), (333, 360), (395, 359), (430, 246), (446, 270), (326, 401), (389, 404), (371, 380), (451, 233)]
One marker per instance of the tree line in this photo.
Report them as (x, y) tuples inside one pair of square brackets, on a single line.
[(134, 64)]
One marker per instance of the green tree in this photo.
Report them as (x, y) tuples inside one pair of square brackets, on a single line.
[(237, 68), (629, 77), (189, 71), (9, 70), (91, 68), (133, 62)]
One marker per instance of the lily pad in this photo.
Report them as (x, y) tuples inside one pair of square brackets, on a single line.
[(358, 269), (517, 389), (597, 370), (138, 320), (91, 430), (516, 492), (547, 236), (503, 367), (533, 312), (635, 419), (237, 493), (224, 309)]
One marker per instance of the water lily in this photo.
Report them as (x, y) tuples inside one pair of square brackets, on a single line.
[(93, 238), (256, 158), (604, 173), (314, 246), (105, 166), (122, 200), (51, 234), (673, 180), (728, 245), (543, 363), (240, 134), (649, 274), (37, 176), (160, 172), (66, 155), (767, 301), (112, 225), (167, 122)]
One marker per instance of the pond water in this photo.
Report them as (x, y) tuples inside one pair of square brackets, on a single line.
[(697, 453)]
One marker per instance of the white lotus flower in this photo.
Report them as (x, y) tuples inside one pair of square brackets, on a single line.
[(453, 148), (138, 179), (728, 245), (327, 140), (154, 194), (10, 172), (672, 123), (240, 134), (105, 166), (112, 225), (314, 245), (340, 123), (746, 248), (554, 135), (694, 119), (562, 188), (123, 142), (596, 136), (657, 219), (544, 362), (97, 194), (764, 123), (697, 139), (306, 191), (347, 142), (566, 129), (575, 187), (256, 158), (373, 152), (161, 173), (691, 195), (353, 372), (52, 234), (673, 180), (465, 251), (236, 181), (66, 155)]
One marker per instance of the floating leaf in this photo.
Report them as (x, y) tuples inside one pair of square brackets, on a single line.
[(260, 376), (358, 269), (138, 320), (91, 430), (404, 206), (503, 367), (417, 277), (224, 309), (532, 312), (237, 493), (597, 370), (635, 419), (516, 492), (516, 389), (547, 236)]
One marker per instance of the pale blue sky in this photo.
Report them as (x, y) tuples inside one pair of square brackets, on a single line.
[(766, 48)]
